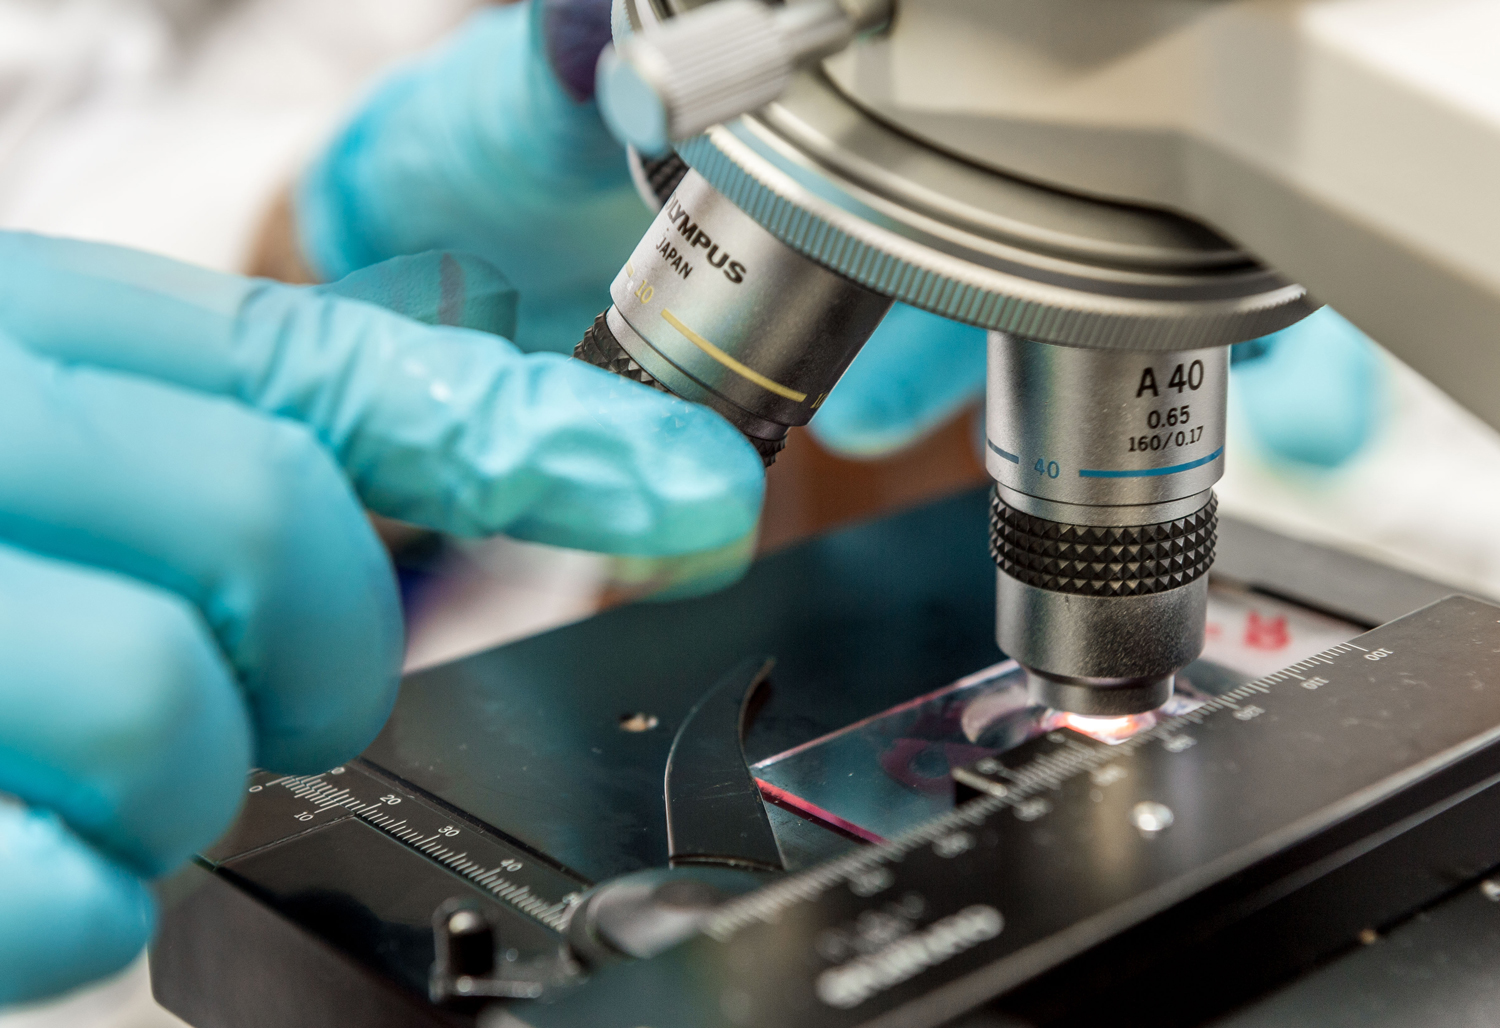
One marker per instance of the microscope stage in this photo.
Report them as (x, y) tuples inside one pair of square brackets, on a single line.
[(1259, 831)]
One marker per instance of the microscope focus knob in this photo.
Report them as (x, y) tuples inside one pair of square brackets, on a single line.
[(672, 81), (471, 944)]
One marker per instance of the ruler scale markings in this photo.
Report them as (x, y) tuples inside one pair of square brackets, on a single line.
[(352, 797), (1041, 773)]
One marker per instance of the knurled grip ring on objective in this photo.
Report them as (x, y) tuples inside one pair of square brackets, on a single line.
[(1102, 560), (600, 348), (713, 308), (1102, 617)]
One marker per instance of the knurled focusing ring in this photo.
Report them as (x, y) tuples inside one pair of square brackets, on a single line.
[(663, 174), (1103, 560), (600, 348)]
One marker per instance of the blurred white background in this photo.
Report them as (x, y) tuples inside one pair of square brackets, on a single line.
[(169, 124)]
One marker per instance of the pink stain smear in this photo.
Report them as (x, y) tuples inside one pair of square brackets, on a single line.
[(797, 805), (1266, 633)]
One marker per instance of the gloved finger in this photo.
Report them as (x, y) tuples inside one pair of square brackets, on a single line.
[(67, 914), (117, 711), (491, 145), (662, 579), (244, 516), (436, 288), (916, 372), (441, 427), (1312, 393)]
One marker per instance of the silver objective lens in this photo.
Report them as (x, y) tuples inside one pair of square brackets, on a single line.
[(1103, 522), (713, 308)]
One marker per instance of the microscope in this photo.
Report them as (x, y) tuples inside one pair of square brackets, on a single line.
[(592, 827), (1049, 172)]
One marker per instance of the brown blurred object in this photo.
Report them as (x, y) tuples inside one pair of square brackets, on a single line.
[(276, 253), (810, 490)]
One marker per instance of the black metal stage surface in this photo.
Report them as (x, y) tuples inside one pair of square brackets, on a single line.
[(515, 779)]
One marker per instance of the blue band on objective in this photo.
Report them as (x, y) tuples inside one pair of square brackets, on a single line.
[(1152, 472), (1004, 453)]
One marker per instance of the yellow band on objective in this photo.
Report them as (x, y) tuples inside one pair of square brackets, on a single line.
[(729, 362)]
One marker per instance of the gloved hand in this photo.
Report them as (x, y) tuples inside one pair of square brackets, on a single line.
[(188, 583), (1311, 393), (491, 145), (916, 372)]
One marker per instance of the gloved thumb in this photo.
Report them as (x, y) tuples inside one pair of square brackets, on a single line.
[(505, 105), (917, 371), (491, 145)]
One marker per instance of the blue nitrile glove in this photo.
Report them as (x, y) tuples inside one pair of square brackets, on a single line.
[(1312, 393), (491, 145), (916, 372), (188, 583)]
